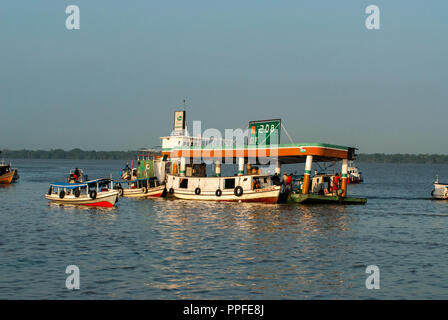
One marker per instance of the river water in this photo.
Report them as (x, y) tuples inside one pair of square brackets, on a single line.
[(172, 249)]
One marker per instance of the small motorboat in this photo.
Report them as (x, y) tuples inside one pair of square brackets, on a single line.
[(440, 190), (96, 193), (146, 180), (354, 175), (7, 173), (140, 188)]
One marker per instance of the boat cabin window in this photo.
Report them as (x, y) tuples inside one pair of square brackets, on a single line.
[(183, 183), (229, 183)]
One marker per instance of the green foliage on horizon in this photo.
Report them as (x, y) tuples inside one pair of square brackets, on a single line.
[(78, 154), (402, 158)]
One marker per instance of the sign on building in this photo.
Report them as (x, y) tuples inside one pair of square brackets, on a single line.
[(264, 132), (179, 122)]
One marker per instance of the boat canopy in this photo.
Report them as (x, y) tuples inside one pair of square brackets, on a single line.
[(135, 180), (286, 153), (68, 185)]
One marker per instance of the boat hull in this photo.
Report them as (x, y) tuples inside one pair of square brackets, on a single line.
[(267, 195), (141, 193), (8, 178), (103, 199)]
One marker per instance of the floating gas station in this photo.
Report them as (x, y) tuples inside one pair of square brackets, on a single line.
[(187, 153)]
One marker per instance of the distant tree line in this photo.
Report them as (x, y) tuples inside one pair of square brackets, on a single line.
[(79, 154), (402, 158)]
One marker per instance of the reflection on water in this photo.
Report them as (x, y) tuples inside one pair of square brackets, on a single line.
[(161, 248)]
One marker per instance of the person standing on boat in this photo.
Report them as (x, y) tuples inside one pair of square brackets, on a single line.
[(276, 179), (289, 182), (336, 180)]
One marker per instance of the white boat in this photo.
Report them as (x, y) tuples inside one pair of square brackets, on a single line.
[(243, 188), (97, 193), (353, 174), (440, 190), (140, 188)]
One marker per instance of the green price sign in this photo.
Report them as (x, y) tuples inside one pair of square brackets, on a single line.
[(264, 132)]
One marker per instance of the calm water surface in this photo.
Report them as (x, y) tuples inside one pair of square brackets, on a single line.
[(166, 249)]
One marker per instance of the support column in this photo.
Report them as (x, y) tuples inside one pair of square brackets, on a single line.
[(344, 177), (307, 173), (240, 166), (183, 165), (218, 168)]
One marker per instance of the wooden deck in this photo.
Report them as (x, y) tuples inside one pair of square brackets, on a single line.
[(315, 198)]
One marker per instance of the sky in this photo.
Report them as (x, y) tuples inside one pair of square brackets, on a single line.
[(115, 83)]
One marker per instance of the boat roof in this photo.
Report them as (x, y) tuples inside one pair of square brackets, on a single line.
[(286, 153), (68, 185), (131, 181)]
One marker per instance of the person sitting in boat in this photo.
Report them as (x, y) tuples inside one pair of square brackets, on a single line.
[(126, 173), (255, 184), (321, 191), (76, 174)]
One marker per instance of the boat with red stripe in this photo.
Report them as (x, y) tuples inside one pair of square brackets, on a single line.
[(95, 193)]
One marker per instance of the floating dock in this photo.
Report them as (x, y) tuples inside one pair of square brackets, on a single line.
[(322, 199), (263, 147)]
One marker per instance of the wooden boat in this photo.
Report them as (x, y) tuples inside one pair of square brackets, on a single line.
[(440, 190), (96, 193), (145, 180), (7, 174), (140, 188), (241, 188)]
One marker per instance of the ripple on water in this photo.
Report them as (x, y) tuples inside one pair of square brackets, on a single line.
[(156, 249)]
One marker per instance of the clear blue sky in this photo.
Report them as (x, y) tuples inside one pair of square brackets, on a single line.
[(115, 83)]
